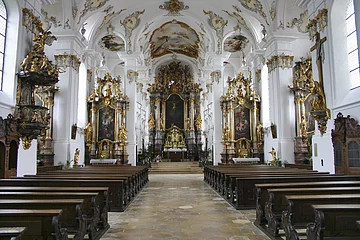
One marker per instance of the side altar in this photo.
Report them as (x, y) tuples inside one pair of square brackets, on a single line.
[(242, 135), (106, 134)]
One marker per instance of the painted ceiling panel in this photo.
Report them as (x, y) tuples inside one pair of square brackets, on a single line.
[(174, 37)]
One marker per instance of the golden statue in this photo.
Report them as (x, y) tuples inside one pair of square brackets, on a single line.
[(188, 123), (319, 101), (259, 132), (198, 122), (88, 132), (122, 135), (162, 125), (36, 117), (76, 156), (151, 122), (226, 133), (273, 155), (175, 139), (303, 127)]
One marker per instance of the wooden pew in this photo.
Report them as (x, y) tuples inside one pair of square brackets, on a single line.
[(278, 202), (299, 211), (262, 195), (128, 184), (102, 192), (12, 233), (245, 192), (40, 224), (116, 201), (90, 208), (71, 218), (230, 183), (335, 221)]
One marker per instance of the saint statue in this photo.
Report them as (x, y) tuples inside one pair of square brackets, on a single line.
[(198, 122), (259, 132), (122, 135), (151, 122), (303, 127), (273, 155), (88, 132), (76, 156), (226, 133)]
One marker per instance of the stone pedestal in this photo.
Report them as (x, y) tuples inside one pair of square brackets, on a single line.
[(301, 150)]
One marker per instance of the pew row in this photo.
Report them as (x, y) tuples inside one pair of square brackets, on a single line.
[(40, 224)]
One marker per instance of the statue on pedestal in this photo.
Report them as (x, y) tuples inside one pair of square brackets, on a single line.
[(76, 156)]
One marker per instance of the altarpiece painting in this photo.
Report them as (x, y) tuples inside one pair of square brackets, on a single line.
[(174, 111), (106, 128), (242, 122)]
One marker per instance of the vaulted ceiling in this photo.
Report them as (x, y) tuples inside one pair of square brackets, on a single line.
[(159, 29)]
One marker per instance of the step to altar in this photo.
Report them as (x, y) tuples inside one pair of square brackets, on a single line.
[(175, 167)]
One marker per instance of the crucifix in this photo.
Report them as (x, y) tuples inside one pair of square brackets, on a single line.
[(319, 56)]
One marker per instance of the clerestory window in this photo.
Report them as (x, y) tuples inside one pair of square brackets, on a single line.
[(352, 46)]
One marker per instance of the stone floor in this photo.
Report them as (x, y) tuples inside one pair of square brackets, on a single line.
[(181, 207)]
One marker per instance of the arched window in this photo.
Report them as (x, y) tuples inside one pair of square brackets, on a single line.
[(352, 46), (3, 21)]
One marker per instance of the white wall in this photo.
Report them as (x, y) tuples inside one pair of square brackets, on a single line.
[(27, 159)]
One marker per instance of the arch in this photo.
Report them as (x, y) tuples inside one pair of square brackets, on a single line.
[(13, 155), (2, 160)]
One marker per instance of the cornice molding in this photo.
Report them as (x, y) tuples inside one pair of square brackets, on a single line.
[(47, 2), (302, 3)]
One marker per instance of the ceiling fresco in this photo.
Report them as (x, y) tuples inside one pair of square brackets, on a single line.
[(235, 43), (112, 43), (174, 37)]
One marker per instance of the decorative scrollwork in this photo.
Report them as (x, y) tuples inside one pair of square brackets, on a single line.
[(174, 7), (174, 77)]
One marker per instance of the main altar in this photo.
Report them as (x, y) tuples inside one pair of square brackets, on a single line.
[(175, 124)]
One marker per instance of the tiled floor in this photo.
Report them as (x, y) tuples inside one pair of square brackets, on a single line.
[(181, 207)]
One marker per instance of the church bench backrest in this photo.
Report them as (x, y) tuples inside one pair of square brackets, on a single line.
[(11, 233), (329, 221), (274, 209), (116, 188), (42, 223), (245, 186), (71, 217), (299, 211), (262, 195)]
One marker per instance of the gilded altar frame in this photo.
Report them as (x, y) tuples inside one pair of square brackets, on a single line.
[(241, 98), (106, 134)]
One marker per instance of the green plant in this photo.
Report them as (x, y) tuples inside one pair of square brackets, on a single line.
[(67, 165)]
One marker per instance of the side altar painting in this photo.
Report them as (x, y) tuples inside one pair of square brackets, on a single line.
[(242, 122), (107, 126), (106, 134)]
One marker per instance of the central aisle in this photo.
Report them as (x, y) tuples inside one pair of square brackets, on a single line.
[(181, 207)]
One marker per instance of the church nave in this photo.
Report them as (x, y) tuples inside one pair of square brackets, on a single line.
[(181, 207)]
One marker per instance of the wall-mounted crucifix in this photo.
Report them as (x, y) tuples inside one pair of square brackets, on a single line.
[(319, 56)]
